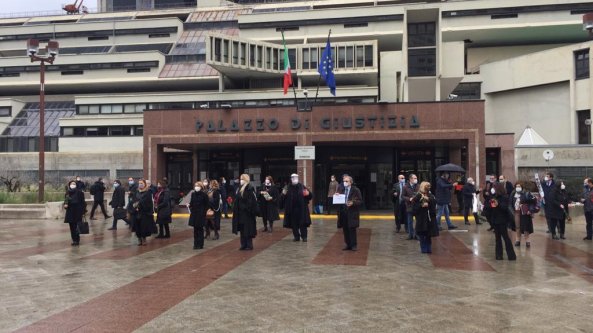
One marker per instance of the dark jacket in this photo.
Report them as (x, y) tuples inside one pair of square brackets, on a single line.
[(588, 200), (198, 205), (223, 192), (269, 209), (547, 189), (426, 216), (244, 212), (133, 197), (296, 207), (395, 193), (350, 216), (443, 192), (145, 225), (501, 214), (409, 193), (468, 192), (76, 206), (162, 200), (99, 191), (118, 200), (554, 199), (80, 185), (214, 201)]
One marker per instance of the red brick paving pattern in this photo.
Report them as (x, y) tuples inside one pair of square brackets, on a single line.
[(332, 253), (131, 306), (449, 252), (573, 260)]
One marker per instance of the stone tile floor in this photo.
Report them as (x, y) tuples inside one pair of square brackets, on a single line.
[(109, 284)]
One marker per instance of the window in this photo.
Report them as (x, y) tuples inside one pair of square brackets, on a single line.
[(350, 56), (159, 35), (422, 62), (584, 130), (268, 53), (356, 25), (105, 109), (138, 131), (368, 55), (581, 64), (129, 108), (138, 70), (251, 55), (341, 57), (72, 72), (306, 59), (225, 51), (235, 53), (117, 108), (94, 109), (5, 111), (260, 55), (243, 54), (67, 131), (217, 50), (468, 90), (421, 34), (360, 56)]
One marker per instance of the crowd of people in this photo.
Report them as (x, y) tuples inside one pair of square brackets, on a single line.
[(508, 208)]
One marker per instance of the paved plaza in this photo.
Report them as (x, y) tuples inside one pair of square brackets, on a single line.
[(109, 284)]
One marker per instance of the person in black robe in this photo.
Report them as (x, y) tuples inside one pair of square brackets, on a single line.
[(296, 198), (198, 205), (425, 214), (144, 225), (118, 201), (164, 209), (500, 218), (349, 213), (75, 206), (268, 203), (245, 210)]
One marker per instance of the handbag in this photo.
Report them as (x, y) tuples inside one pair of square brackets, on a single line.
[(83, 227), (209, 213)]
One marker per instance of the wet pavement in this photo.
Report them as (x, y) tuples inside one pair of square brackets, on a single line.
[(109, 284)]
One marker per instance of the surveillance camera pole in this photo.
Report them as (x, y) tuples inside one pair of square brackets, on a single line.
[(49, 59)]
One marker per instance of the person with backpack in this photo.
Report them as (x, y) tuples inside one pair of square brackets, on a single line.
[(268, 203), (98, 192), (522, 203), (164, 210)]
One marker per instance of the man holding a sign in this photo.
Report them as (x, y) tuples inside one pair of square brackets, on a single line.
[(349, 213)]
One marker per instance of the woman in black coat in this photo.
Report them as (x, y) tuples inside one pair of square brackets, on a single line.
[(501, 218), (296, 208), (268, 203), (144, 225), (75, 206), (118, 201), (198, 205), (556, 204), (164, 210), (425, 215), (244, 213), (215, 202)]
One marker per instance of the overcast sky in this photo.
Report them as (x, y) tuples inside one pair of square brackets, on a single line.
[(36, 6)]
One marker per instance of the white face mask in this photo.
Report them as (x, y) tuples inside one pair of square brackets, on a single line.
[(546, 178), (518, 189), (197, 188), (414, 181), (295, 181), (242, 182), (72, 186), (492, 191), (268, 183), (562, 187), (205, 183), (115, 185), (224, 181)]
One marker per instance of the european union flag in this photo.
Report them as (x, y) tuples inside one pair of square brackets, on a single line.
[(326, 68)]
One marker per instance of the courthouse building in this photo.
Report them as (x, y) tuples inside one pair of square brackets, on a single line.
[(188, 90)]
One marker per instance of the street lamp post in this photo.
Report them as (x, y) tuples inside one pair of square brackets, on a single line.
[(32, 52)]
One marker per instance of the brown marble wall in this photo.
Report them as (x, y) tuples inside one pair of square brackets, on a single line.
[(459, 123), (506, 143)]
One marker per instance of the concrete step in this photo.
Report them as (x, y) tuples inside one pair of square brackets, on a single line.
[(22, 213), (26, 206)]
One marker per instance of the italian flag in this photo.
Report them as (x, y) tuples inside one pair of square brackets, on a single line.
[(287, 74)]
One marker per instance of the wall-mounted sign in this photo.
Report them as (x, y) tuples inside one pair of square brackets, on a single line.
[(304, 152)]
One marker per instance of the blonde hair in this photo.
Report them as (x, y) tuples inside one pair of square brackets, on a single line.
[(246, 178), (423, 186), (214, 184)]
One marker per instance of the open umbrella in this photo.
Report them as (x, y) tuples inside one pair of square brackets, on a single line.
[(450, 167)]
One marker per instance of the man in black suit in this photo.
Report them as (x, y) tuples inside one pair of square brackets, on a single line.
[(399, 205), (349, 215)]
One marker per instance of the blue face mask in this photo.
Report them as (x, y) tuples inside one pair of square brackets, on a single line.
[(115, 185), (131, 182)]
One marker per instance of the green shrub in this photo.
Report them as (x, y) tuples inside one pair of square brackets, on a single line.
[(28, 197)]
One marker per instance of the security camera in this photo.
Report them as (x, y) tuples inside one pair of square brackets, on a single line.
[(452, 96), (306, 92)]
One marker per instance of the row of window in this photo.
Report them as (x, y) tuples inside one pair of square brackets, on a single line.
[(16, 70), (102, 131), (26, 144), (111, 108), (422, 49), (265, 57), (94, 33)]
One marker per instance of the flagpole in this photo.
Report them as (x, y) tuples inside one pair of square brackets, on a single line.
[(319, 78), (293, 89)]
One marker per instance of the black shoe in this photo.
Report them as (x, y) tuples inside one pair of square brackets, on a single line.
[(517, 243), (112, 229), (296, 240), (467, 223), (562, 236), (354, 248), (555, 237), (304, 239), (547, 231), (198, 247), (242, 248), (216, 237), (587, 238), (527, 245), (347, 248), (160, 236), (167, 236), (107, 216), (513, 258), (451, 227), (498, 258), (249, 248), (478, 223), (410, 238), (265, 229), (490, 229)]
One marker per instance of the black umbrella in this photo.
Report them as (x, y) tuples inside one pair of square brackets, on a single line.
[(450, 167)]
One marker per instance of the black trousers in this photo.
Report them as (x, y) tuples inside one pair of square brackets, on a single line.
[(329, 203), (246, 242), (100, 204), (350, 237), (74, 232), (199, 236), (561, 225), (466, 209), (502, 234), (164, 230), (299, 232), (589, 221), (266, 222)]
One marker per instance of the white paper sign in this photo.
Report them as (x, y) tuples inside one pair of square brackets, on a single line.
[(373, 177), (339, 199)]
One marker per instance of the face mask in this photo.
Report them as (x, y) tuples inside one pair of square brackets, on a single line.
[(414, 181), (77, 179), (141, 186), (224, 181), (242, 182), (518, 189), (295, 181), (131, 182), (268, 183), (492, 191), (401, 181), (72, 186), (205, 183), (501, 180), (546, 178), (333, 179), (346, 184), (197, 188), (562, 187), (115, 185)]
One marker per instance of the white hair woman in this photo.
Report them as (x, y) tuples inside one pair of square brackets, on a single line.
[(245, 210)]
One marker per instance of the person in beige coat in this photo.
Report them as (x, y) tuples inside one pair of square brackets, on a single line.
[(333, 187)]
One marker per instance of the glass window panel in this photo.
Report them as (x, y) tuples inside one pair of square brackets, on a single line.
[(83, 109), (341, 57), (92, 131), (129, 108), (118, 108), (360, 56), (225, 51), (243, 54), (93, 109), (314, 57), (260, 56), (67, 131), (292, 59), (275, 59), (105, 108), (306, 59), (368, 55), (350, 56), (252, 55), (79, 131), (217, 49), (268, 58), (140, 108), (235, 53)]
